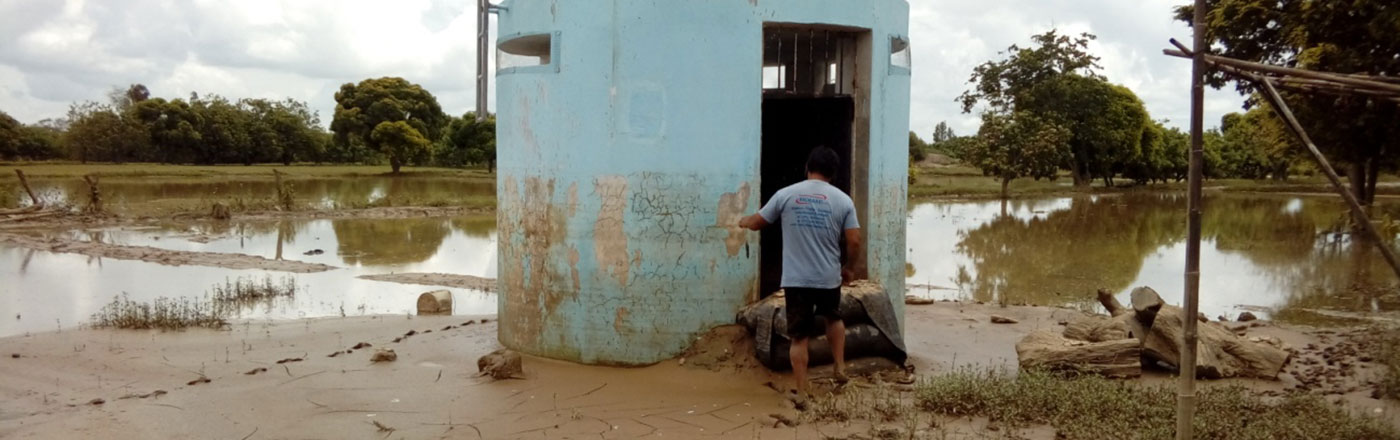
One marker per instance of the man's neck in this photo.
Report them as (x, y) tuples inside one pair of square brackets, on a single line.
[(815, 176)]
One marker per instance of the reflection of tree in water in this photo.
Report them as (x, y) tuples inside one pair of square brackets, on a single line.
[(389, 242), (1064, 256), (479, 226)]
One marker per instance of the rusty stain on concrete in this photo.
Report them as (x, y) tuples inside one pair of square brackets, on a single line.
[(732, 208), (573, 267), (620, 321), (573, 199), (609, 240)]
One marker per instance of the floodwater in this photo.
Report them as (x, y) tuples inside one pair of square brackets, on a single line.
[(127, 195), (46, 291), (1269, 254), (1266, 254)]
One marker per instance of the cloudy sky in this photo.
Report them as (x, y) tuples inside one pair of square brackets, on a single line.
[(61, 51)]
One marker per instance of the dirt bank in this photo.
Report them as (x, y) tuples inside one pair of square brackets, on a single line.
[(437, 279), (278, 380), (161, 256), (75, 220)]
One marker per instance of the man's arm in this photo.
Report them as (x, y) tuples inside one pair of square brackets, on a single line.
[(753, 222), (853, 254)]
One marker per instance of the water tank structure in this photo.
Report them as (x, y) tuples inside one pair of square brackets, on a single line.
[(632, 135)]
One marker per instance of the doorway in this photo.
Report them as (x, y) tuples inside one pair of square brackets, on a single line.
[(813, 84)]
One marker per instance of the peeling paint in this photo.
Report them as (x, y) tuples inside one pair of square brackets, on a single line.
[(620, 320), (609, 241), (732, 207)]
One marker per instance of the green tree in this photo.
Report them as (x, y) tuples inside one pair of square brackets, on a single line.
[(174, 127), (400, 141), (361, 109), (38, 142), (97, 132), (1255, 145), (226, 132), (917, 148), (286, 131), (1358, 36), (1107, 123), (467, 141), (941, 133), (1056, 80), (10, 136), (1018, 145)]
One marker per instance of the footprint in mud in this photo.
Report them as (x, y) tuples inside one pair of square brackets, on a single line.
[(448, 328), (464, 324), (256, 371), (410, 333), (398, 339), (427, 331), (156, 393), (361, 345), (338, 353), (97, 401), (201, 380), (289, 360)]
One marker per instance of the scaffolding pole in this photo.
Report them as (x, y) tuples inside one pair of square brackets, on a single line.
[(483, 24), (1186, 380)]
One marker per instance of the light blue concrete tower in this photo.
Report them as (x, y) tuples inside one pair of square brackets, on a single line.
[(633, 134)]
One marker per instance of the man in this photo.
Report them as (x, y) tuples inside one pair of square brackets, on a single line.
[(814, 215)]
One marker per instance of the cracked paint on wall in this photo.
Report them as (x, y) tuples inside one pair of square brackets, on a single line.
[(609, 243), (624, 169)]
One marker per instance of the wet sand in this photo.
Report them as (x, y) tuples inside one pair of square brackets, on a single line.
[(160, 256), (432, 390), (437, 279)]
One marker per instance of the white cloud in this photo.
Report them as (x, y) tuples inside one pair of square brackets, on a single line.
[(61, 51)]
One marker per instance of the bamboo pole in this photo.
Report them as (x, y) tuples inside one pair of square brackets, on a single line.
[(34, 200), (1186, 380), (1368, 85), (1359, 213)]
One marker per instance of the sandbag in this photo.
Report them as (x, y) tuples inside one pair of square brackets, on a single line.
[(872, 328)]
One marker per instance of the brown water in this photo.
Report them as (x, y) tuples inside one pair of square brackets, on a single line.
[(1261, 253), (1268, 254), (138, 196)]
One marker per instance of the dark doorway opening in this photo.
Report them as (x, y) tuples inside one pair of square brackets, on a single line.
[(815, 93), (792, 127)]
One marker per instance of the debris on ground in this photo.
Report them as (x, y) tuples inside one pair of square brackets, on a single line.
[(915, 300), (201, 380), (1246, 317), (384, 355), (998, 319), (256, 371), (500, 364)]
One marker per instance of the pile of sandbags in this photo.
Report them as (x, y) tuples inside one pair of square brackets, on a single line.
[(872, 328)]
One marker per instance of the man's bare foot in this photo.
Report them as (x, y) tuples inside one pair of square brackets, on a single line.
[(841, 378)]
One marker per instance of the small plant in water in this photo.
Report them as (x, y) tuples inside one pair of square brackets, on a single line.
[(163, 313), (246, 292)]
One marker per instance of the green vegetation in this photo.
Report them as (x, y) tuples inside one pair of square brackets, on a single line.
[(246, 291), (1388, 354), (133, 126), (1016, 145), (212, 311), (1090, 407), (164, 314), (390, 116), (1354, 37)]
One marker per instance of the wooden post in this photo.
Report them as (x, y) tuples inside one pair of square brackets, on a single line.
[(1186, 380), (94, 195), (1357, 211), (25, 183)]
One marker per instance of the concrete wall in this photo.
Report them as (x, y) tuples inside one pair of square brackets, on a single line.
[(624, 164)]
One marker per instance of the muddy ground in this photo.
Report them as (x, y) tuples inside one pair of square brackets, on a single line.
[(304, 379)]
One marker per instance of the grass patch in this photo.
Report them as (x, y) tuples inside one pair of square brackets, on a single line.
[(202, 172), (164, 314), (1387, 353), (1091, 407), (248, 291), (211, 311)]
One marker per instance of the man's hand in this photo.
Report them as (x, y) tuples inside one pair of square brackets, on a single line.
[(848, 276)]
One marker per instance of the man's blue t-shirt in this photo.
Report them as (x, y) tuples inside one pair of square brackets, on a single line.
[(814, 214)]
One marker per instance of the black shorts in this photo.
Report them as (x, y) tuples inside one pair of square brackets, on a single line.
[(805, 304)]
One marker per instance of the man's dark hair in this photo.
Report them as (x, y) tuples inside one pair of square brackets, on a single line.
[(823, 161)]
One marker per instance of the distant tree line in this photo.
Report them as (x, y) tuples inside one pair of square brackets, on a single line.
[(1045, 110), (383, 120)]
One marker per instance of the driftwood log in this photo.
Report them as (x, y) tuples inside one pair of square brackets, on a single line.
[(1147, 333)]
